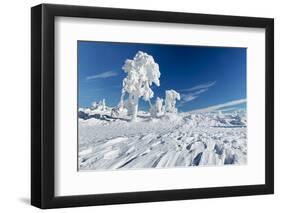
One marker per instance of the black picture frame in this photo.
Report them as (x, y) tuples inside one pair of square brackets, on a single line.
[(43, 102)]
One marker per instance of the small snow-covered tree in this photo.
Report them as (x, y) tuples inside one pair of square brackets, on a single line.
[(100, 105), (170, 101), (94, 105), (103, 105), (159, 105), (142, 72), (156, 109)]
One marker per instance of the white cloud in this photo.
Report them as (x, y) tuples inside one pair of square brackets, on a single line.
[(200, 86), (107, 74), (219, 106), (199, 91), (186, 98), (192, 95)]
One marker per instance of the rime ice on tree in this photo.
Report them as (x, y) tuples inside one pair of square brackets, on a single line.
[(170, 101), (94, 105), (103, 104), (157, 109), (100, 105), (142, 71), (159, 105)]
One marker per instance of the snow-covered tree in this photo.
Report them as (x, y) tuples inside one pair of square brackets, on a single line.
[(142, 72), (100, 105), (157, 108), (159, 105), (170, 101), (103, 105), (94, 105)]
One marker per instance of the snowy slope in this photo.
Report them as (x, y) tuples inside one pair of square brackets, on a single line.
[(174, 140)]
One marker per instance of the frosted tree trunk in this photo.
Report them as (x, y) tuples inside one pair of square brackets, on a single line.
[(133, 106), (134, 112), (159, 105)]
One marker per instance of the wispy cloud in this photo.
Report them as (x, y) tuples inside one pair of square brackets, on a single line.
[(195, 91), (192, 95), (219, 106), (186, 98), (200, 86), (106, 74)]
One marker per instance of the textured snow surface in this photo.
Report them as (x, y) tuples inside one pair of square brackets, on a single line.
[(173, 140)]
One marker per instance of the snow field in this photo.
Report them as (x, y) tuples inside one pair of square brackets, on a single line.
[(173, 140)]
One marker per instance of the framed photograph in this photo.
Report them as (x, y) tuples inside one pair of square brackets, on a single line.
[(139, 106)]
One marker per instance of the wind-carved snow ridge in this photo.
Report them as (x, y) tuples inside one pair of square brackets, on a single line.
[(123, 137)]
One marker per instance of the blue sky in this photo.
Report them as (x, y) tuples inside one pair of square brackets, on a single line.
[(204, 76)]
